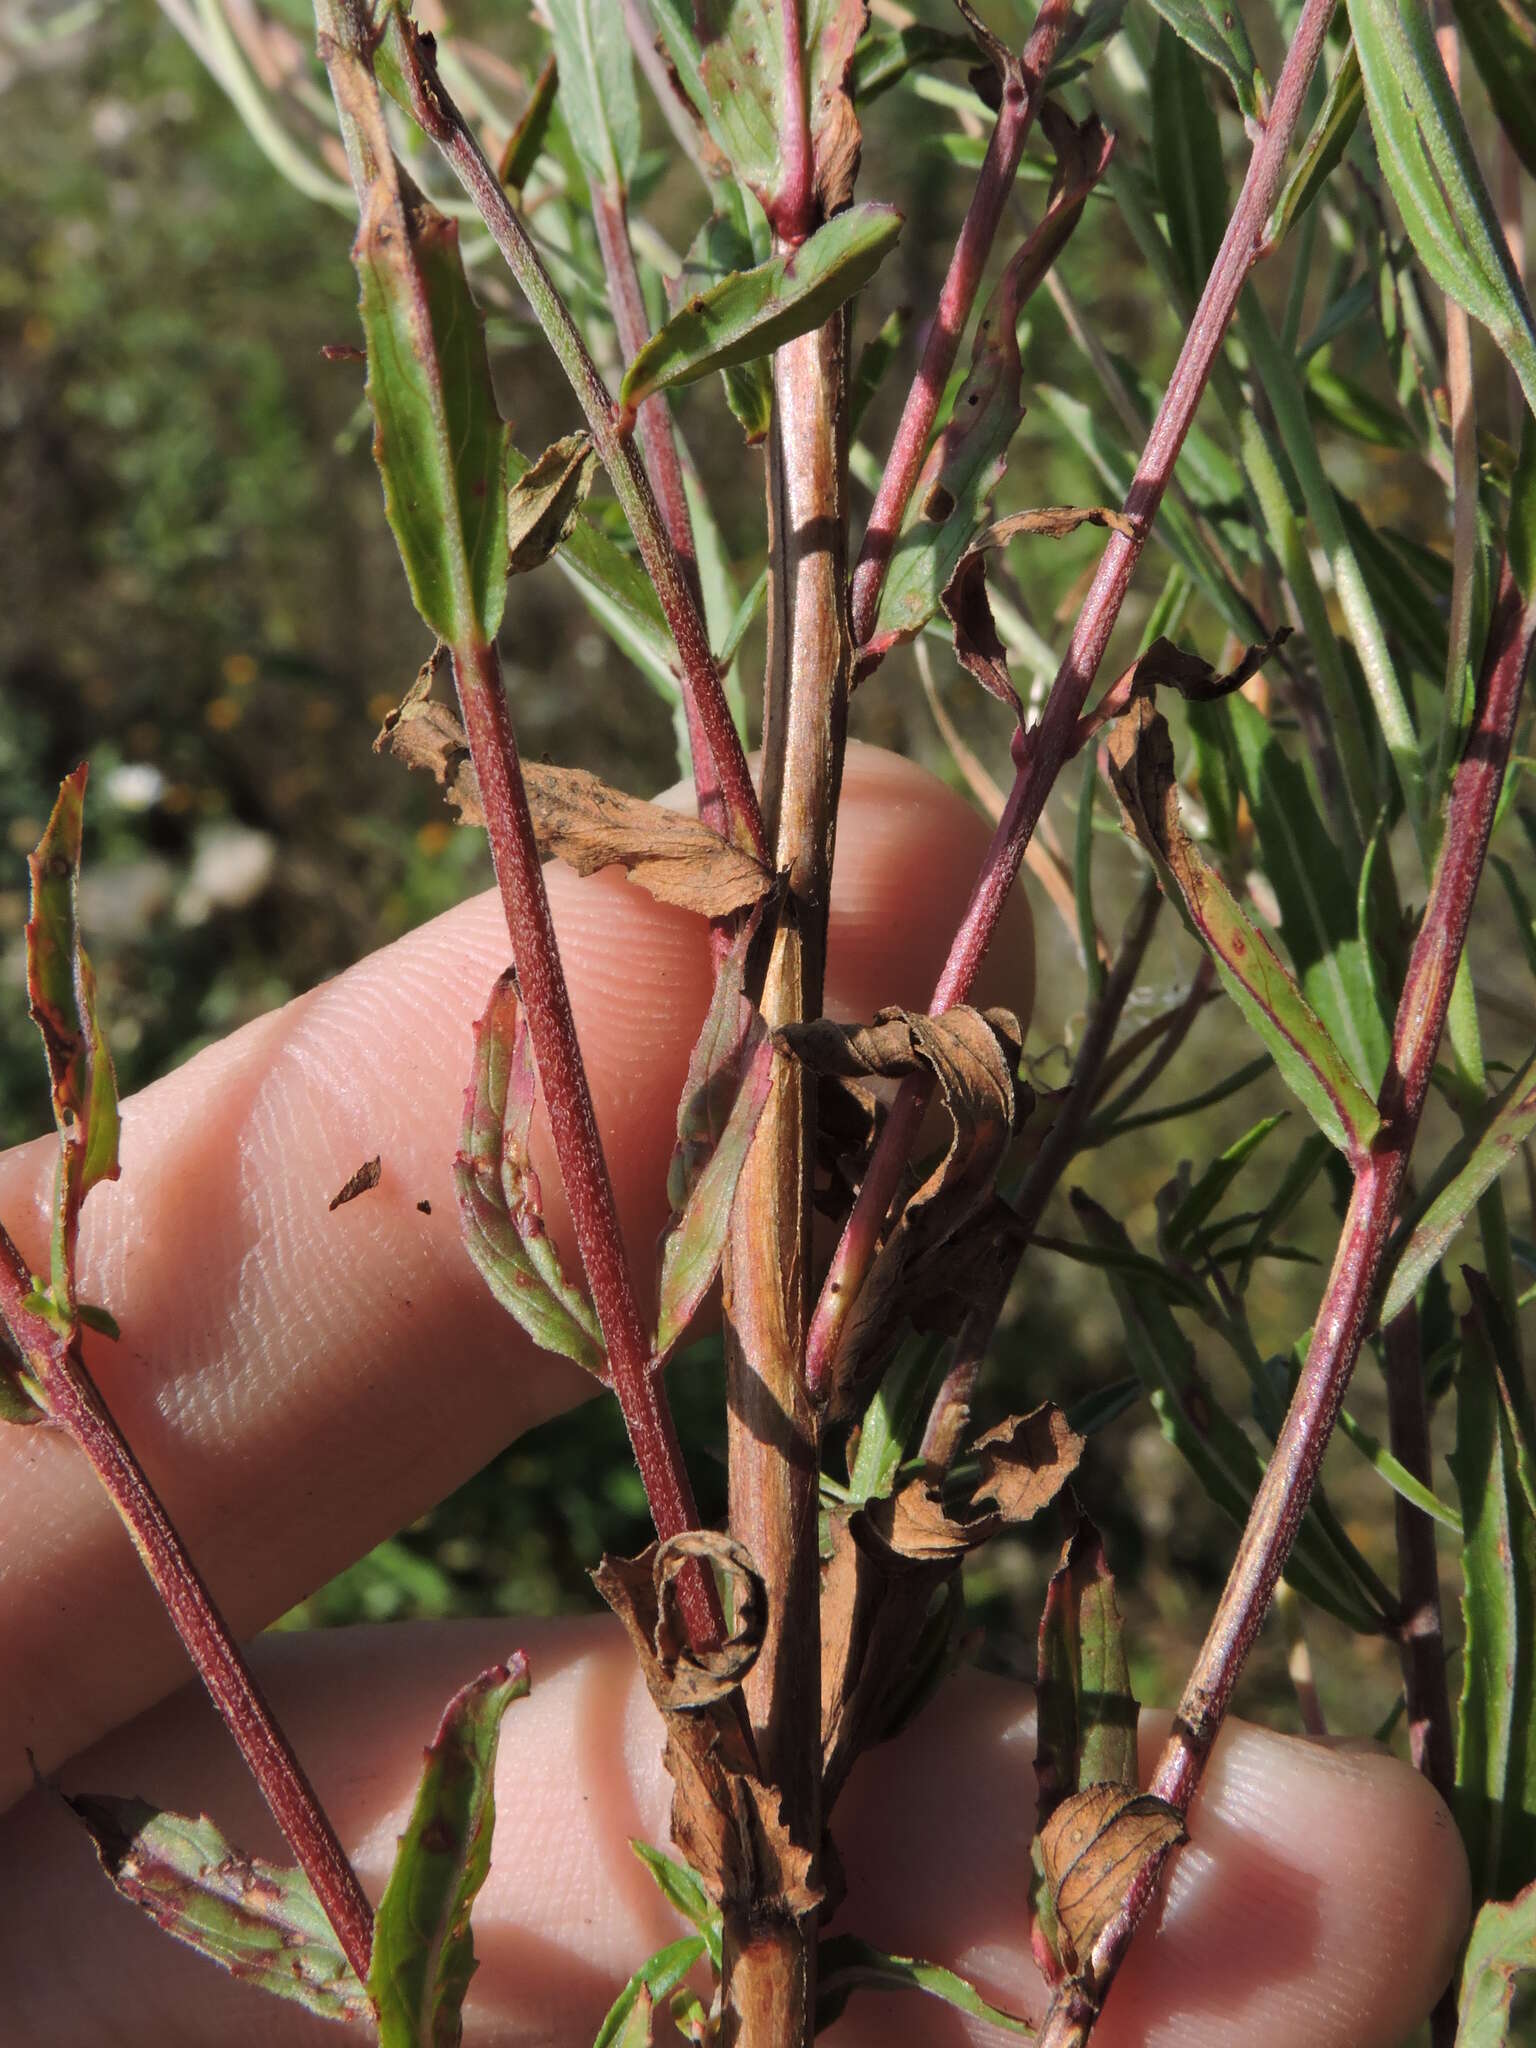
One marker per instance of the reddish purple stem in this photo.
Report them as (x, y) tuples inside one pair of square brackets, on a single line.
[(790, 215), (568, 1100), (1050, 744), (76, 1404), (1023, 90)]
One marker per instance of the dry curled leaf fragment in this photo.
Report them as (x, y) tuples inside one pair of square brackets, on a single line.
[(423, 732), (1165, 666), (1092, 1848), (725, 1821), (545, 502), (366, 1177), (1026, 1461)]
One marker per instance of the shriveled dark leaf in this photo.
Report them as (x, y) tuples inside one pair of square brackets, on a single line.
[(1026, 1461), (523, 146), (366, 1178), (725, 1821), (1164, 666), (952, 1230), (978, 645), (423, 1950), (545, 502), (1141, 770), (1092, 1847), (501, 1207), (257, 1920), (677, 859), (729, 1077), (423, 732), (61, 996)]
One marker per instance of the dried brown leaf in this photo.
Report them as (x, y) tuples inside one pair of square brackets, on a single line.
[(1026, 1461), (424, 733), (589, 825), (366, 1177), (1166, 666), (1092, 1848), (545, 502), (725, 1821), (978, 646)]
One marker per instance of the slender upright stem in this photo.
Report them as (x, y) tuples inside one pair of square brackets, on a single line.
[(1049, 745), (791, 214), (773, 1439), (76, 1404), (1349, 1299), (442, 122), (568, 1100), (1023, 89)]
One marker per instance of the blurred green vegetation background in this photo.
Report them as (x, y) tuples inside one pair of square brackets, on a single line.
[(202, 596)]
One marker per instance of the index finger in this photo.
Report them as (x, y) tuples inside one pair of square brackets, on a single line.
[(299, 1383)]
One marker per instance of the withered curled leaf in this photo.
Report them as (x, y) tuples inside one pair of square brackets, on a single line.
[(423, 732), (1164, 666), (544, 503), (1026, 1461), (365, 1179), (952, 1230), (726, 1822), (1092, 1848)]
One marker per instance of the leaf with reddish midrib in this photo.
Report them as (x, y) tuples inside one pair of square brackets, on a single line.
[(259, 1921), (423, 1952)]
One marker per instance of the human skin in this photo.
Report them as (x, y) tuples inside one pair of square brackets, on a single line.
[(300, 1383)]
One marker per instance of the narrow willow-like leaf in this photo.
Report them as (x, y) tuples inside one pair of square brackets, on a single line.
[(680, 1887), (423, 1951), (1495, 1749), (438, 440), (1214, 30), (729, 1076), (61, 996), (1087, 1711), (888, 1426), (1186, 155), (1217, 1450), (1497, 1147), (257, 1920), (844, 1964), (500, 1201), (721, 249), (1313, 882), (652, 1981), (1141, 768), (1500, 1967), (1501, 34), (526, 142), (1211, 1185), (752, 312), (884, 57), (1324, 148), (1397, 1475), (1428, 161), (597, 91)]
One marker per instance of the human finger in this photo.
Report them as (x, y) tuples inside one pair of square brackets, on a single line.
[(300, 1383), (1319, 1903)]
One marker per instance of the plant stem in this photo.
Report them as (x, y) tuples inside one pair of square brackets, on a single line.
[(1023, 89), (442, 122), (1348, 1301), (791, 215), (76, 1404), (1049, 745), (773, 1438), (573, 1124)]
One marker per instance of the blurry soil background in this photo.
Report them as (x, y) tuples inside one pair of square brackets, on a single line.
[(201, 595)]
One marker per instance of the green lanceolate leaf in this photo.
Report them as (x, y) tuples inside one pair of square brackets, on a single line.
[(629, 2017), (752, 312), (729, 1076), (1314, 886), (526, 142), (1195, 1206), (423, 1952), (61, 996), (1141, 769), (730, 58), (1324, 147), (1497, 1146), (1214, 30), (884, 57), (1495, 1750), (721, 249), (257, 1920), (1501, 34), (1186, 155), (1087, 1711), (597, 91), (500, 1202), (438, 440), (1499, 1975), (680, 1887), (845, 1964), (1428, 161), (1397, 1475)]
